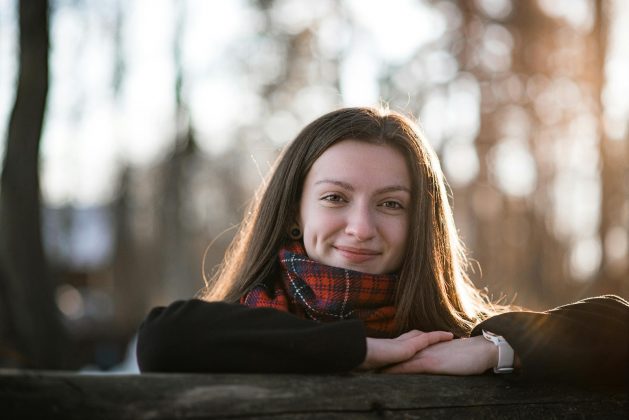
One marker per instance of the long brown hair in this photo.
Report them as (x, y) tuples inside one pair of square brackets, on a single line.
[(434, 291)]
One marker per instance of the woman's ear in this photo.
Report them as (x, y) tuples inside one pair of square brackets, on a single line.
[(294, 231)]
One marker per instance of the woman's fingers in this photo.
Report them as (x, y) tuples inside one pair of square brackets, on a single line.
[(409, 334), (427, 339), (444, 335), (417, 342), (383, 351)]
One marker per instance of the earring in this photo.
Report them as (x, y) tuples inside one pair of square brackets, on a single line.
[(295, 232)]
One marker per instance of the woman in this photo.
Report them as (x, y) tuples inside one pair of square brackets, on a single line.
[(354, 226)]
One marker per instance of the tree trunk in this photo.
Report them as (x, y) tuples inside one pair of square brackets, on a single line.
[(30, 320), (613, 161)]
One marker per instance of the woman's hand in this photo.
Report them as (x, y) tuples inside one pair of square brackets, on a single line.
[(465, 356), (386, 351)]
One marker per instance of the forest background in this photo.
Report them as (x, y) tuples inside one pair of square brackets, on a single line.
[(134, 133)]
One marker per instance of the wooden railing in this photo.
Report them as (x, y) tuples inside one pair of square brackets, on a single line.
[(65, 395)]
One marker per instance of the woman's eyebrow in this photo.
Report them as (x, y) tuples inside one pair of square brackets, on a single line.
[(341, 184), (393, 188), (349, 187)]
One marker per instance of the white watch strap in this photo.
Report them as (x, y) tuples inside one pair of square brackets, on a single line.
[(505, 352)]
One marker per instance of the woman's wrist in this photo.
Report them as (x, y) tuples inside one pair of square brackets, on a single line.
[(505, 359), (491, 352), (367, 364)]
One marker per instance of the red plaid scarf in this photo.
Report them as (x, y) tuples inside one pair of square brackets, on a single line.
[(315, 291)]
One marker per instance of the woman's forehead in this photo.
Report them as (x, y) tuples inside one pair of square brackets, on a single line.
[(353, 161)]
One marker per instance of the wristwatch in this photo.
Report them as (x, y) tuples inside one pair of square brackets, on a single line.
[(505, 352)]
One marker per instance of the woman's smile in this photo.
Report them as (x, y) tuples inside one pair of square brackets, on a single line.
[(356, 255)]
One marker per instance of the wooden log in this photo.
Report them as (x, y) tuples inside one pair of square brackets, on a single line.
[(65, 395)]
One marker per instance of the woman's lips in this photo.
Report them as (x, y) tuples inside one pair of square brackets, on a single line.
[(356, 255)]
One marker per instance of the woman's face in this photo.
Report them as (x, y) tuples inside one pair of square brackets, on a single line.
[(354, 209)]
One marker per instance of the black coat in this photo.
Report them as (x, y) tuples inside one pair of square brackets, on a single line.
[(586, 341)]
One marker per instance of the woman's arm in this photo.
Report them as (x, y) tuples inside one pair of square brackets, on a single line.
[(199, 336), (584, 341), (587, 340)]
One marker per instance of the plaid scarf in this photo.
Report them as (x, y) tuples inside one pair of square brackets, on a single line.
[(315, 291)]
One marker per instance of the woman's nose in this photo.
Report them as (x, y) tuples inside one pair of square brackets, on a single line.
[(360, 223)]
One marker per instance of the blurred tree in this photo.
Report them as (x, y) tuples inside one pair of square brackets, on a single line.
[(177, 273), (513, 249), (30, 322), (614, 165)]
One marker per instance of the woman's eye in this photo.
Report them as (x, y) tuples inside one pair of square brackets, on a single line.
[(333, 198), (392, 205)]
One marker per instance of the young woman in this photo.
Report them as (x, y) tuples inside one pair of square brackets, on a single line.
[(348, 258)]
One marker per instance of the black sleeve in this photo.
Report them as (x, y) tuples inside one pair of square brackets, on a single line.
[(199, 336), (586, 341)]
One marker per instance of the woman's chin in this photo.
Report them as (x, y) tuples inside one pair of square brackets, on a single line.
[(363, 268), (364, 265)]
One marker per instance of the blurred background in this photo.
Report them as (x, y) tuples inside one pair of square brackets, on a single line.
[(138, 131)]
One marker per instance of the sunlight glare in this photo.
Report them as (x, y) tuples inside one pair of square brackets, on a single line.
[(358, 78), (460, 162), (615, 93), (147, 103), (578, 13), (513, 167), (585, 258), (399, 27)]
